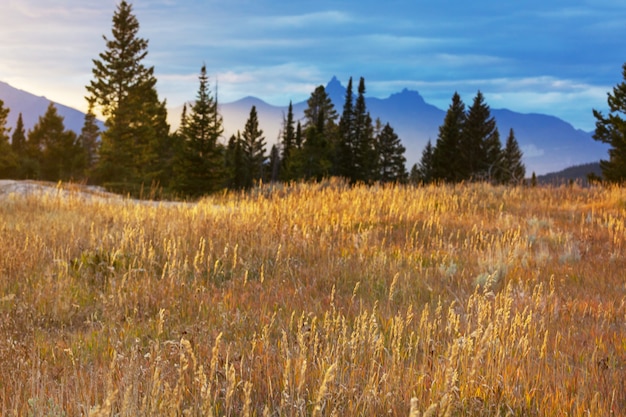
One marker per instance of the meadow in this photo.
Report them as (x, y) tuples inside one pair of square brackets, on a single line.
[(316, 300)]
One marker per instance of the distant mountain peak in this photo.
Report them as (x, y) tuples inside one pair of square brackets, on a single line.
[(406, 94)]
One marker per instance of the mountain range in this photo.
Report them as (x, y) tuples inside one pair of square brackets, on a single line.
[(549, 144)]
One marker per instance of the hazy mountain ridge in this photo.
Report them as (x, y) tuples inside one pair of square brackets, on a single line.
[(32, 107), (549, 143)]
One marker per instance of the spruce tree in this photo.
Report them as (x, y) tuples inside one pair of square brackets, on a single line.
[(345, 150), (235, 164), (364, 151), (447, 158), (8, 160), (425, 171), (320, 111), (288, 145), (514, 170), (199, 165), (494, 158), (88, 140), (58, 151), (611, 129), (478, 128), (314, 160), (391, 160), (125, 91), (274, 164), (18, 139), (253, 149)]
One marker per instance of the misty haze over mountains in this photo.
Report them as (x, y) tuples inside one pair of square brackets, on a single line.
[(549, 143)]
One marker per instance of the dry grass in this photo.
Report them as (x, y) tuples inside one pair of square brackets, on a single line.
[(316, 300)]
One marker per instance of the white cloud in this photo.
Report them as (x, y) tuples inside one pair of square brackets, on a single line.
[(531, 151)]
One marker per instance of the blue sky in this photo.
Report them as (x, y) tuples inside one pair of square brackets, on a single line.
[(550, 56)]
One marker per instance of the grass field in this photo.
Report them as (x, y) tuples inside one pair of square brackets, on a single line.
[(316, 300)]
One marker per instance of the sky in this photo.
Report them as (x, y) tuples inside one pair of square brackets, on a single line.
[(537, 56)]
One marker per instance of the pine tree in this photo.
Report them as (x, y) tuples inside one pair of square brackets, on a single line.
[(447, 158), (320, 111), (200, 163), (288, 145), (125, 90), (314, 160), (274, 164), (494, 158), (391, 160), (514, 170), (345, 149), (58, 151), (8, 160), (253, 150), (88, 139), (364, 151), (18, 140), (611, 129), (425, 171), (235, 164), (414, 174), (478, 128)]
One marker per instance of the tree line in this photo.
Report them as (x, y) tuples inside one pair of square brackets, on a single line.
[(136, 148)]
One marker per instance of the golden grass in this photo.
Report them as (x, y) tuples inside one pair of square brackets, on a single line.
[(316, 300)]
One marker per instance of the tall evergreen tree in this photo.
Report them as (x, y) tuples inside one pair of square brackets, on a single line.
[(391, 160), (235, 164), (514, 170), (8, 160), (345, 150), (125, 90), (274, 164), (494, 158), (425, 170), (611, 129), (200, 164), (320, 111), (59, 153), (288, 145), (479, 127), (253, 149), (88, 139), (18, 139), (364, 151), (447, 158)]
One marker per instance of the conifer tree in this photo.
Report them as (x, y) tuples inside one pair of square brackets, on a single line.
[(8, 160), (274, 164), (611, 129), (478, 129), (414, 174), (514, 170), (18, 139), (364, 151), (288, 145), (199, 165), (320, 111), (57, 150), (89, 140), (235, 164), (316, 154), (253, 147), (494, 158), (447, 158), (391, 160), (125, 91), (345, 149), (425, 171)]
